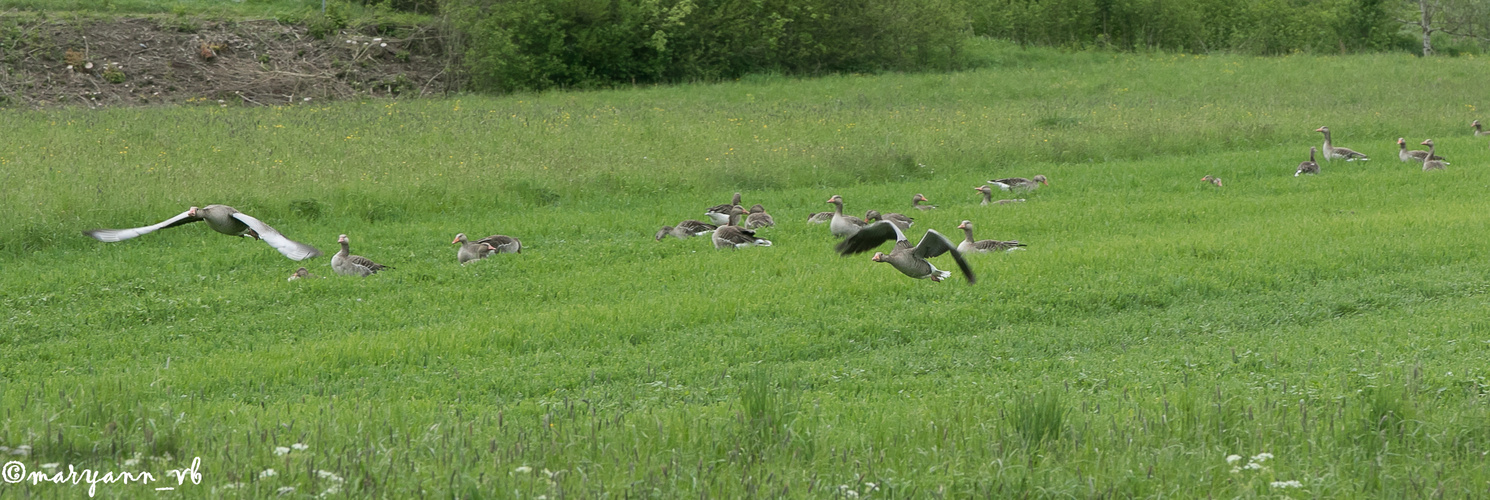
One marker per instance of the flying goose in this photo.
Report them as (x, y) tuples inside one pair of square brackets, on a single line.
[(841, 225), (223, 219), (759, 218), (899, 219), (1020, 183), (470, 251), (1331, 152), (719, 214), (344, 263), (909, 260), (1477, 131), (731, 236), (969, 245), (916, 202), (686, 229), (1308, 167), (1432, 164), (1410, 155)]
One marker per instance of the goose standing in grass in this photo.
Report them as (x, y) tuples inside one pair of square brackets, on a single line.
[(759, 218), (1307, 167), (1430, 163), (470, 250), (1020, 183), (1212, 179), (301, 273), (223, 219), (1331, 152), (719, 214), (969, 245), (346, 264), (841, 225), (898, 219), (909, 260), (1477, 131), (1410, 155), (820, 217), (916, 202), (686, 229), (731, 236)]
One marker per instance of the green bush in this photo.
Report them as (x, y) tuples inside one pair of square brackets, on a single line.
[(537, 44)]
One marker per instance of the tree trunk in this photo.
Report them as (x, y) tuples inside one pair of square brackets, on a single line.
[(1427, 24)]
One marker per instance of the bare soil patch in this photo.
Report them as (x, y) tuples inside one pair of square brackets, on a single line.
[(146, 61)]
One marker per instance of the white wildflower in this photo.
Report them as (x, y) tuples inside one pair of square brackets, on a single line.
[(285, 490), (280, 451), (1253, 466), (232, 486), (22, 450), (523, 470), (328, 475), (268, 473), (334, 489), (300, 446), (1262, 457), (377, 39), (383, 45), (1286, 484), (1236, 470), (871, 487), (1231, 459), (851, 494), (307, 99), (50, 466)]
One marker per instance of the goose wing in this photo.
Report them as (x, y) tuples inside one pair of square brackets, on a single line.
[(869, 238), (934, 244), (111, 235), (290, 248)]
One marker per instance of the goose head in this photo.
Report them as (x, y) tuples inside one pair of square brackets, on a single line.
[(919, 197), (301, 273), (459, 238), (1041, 179), (967, 224), (192, 212), (1323, 130), (984, 189), (662, 233), (1428, 143), (878, 257), (342, 239), (1475, 124), (872, 215), (757, 209)]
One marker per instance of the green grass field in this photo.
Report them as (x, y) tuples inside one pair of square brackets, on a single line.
[(1155, 326)]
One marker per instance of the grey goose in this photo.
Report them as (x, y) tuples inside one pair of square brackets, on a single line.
[(841, 225), (909, 260), (685, 229), (223, 219), (346, 264), (719, 214), (969, 245), (1307, 167), (1331, 152)]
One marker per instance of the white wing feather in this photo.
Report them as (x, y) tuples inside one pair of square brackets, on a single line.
[(112, 235), (290, 248)]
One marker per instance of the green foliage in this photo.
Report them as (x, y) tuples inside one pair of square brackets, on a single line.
[(1259, 27), (324, 24), (538, 44)]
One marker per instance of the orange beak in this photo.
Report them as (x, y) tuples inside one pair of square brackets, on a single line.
[(457, 240)]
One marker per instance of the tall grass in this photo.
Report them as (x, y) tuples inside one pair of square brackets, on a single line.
[(1155, 326)]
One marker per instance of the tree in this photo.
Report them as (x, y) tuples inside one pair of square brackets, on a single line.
[(1459, 18)]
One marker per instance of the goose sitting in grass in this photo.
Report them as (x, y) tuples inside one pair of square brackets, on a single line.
[(1020, 183), (909, 260), (302, 273), (1477, 131), (820, 217), (686, 229), (1212, 179), (758, 218), (732, 236), (223, 219), (470, 250), (346, 264), (1308, 167), (1430, 163), (1333, 153), (969, 245), (916, 202), (899, 219), (719, 214), (1411, 155)]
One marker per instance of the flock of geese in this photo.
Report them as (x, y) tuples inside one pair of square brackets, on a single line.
[(859, 235)]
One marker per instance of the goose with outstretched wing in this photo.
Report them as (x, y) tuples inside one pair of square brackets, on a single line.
[(909, 260), (223, 219)]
